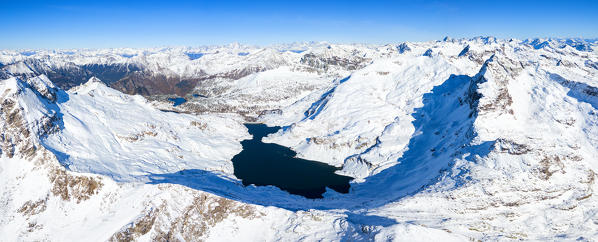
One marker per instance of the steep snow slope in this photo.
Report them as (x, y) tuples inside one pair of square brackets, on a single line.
[(348, 119), (114, 134), (456, 139)]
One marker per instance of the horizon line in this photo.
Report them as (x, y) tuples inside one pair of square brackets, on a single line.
[(446, 38)]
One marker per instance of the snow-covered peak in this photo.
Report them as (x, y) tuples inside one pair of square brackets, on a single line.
[(92, 84), (94, 79), (10, 85)]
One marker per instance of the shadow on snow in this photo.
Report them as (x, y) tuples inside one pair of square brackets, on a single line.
[(443, 133), (580, 91)]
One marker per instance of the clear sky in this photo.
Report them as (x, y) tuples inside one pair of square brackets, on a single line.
[(99, 24)]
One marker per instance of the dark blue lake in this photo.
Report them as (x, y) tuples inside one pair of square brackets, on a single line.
[(177, 101), (263, 164)]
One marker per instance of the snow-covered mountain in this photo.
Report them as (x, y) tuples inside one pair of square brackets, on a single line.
[(463, 139)]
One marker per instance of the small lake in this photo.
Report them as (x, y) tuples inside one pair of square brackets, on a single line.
[(263, 164), (177, 101)]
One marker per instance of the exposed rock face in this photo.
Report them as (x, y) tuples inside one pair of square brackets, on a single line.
[(19, 135), (428, 53), (501, 70), (20, 140), (148, 84), (323, 63), (193, 223), (403, 47), (464, 51)]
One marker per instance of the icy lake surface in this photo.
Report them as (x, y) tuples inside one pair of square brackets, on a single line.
[(265, 164)]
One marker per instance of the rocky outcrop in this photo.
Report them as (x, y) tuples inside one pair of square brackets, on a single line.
[(403, 47), (21, 133), (324, 63), (193, 223)]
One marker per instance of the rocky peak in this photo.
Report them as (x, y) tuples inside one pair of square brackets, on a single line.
[(25, 115), (403, 47), (428, 53), (44, 87), (464, 51)]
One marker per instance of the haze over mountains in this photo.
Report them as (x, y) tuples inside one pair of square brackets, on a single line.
[(460, 139)]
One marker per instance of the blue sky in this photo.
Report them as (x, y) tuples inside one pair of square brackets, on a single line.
[(99, 24)]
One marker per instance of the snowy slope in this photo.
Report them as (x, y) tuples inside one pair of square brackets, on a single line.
[(448, 140), (40, 197), (110, 133)]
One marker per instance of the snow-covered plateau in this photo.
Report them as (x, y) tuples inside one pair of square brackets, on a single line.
[(459, 139)]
